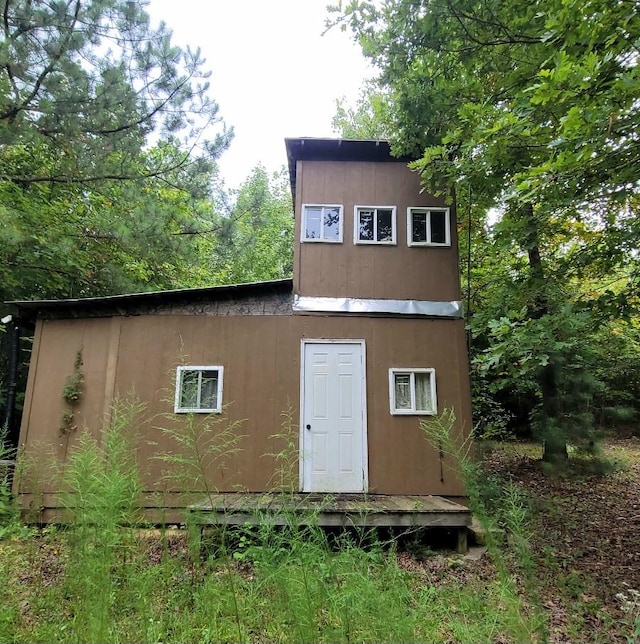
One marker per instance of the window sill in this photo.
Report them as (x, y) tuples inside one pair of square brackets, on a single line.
[(429, 245), (411, 412), (197, 411), (375, 243)]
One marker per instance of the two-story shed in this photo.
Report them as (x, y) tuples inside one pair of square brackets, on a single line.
[(362, 344)]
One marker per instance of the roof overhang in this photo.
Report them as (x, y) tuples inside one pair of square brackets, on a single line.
[(318, 149), (29, 310)]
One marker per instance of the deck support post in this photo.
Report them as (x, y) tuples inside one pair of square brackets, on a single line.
[(462, 543)]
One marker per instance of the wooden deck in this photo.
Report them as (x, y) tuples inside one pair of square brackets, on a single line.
[(342, 510)]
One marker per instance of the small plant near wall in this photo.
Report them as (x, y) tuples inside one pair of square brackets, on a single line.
[(284, 478), (72, 392)]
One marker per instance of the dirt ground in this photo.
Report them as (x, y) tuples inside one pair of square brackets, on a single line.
[(585, 537)]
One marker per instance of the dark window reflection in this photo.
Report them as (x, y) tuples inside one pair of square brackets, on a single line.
[(366, 225), (419, 227), (438, 227), (385, 229)]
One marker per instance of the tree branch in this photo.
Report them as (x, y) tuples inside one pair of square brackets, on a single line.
[(511, 39), (10, 115)]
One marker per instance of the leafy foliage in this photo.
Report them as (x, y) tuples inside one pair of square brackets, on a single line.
[(528, 108), (255, 236), (105, 165), (366, 120), (84, 84)]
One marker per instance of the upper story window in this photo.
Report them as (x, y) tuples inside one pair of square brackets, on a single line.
[(321, 223), (199, 389), (428, 227), (375, 225)]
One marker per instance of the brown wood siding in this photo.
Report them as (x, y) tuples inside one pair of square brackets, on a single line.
[(51, 365), (371, 271), (138, 355)]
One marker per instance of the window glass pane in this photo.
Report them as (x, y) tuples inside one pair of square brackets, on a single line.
[(209, 390), (312, 223), (384, 225), (331, 224), (402, 391), (189, 390), (423, 392), (365, 225), (418, 226), (438, 227)]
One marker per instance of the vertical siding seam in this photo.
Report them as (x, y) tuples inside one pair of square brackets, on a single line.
[(111, 367), (31, 384)]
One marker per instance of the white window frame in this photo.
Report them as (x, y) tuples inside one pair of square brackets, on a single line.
[(411, 372), (321, 239), (356, 226), (198, 410), (428, 210)]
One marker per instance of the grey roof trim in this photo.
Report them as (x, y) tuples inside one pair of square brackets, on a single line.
[(157, 297)]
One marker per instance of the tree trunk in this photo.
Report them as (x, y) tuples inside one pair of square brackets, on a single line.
[(555, 447)]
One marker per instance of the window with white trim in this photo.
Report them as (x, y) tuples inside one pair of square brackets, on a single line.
[(375, 225), (321, 223), (412, 391), (428, 227), (198, 390)]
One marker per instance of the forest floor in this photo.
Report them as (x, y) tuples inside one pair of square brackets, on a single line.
[(585, 536), (582, 533)]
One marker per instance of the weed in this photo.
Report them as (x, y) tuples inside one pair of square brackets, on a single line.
[(8, 510), (204, 444), (73, 385), (284, 478), (496, 506), (71, 393), (103, 501), (630, 603), (99, 580)]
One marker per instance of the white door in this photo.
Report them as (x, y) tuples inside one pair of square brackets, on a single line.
[(333, 433)]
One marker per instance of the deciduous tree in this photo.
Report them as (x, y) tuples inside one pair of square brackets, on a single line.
[(256, 234), (535, 107)]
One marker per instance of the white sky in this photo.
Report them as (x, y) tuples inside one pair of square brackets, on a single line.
[(274, 74)]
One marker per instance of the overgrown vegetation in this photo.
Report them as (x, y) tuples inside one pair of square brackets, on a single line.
[(71, 393), (286, 459), (202, 445), (106, 576), (8, 511), (103, 504), (292, 587)]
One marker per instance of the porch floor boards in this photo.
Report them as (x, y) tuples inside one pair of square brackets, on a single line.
[(375, 510)]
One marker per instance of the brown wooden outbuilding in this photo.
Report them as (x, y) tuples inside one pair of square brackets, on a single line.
[(345, 359)]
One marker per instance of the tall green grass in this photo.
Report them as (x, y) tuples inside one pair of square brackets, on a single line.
[(103, 578), (103, 500), (504, 516), (8, 508), (302, 592)]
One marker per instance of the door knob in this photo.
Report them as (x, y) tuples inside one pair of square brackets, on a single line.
[(308, 426)]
